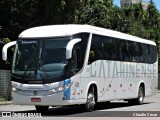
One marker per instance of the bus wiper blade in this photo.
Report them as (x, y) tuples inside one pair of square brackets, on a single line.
[(28, 69)]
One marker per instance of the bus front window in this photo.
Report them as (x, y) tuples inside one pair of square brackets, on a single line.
[(40, 58)]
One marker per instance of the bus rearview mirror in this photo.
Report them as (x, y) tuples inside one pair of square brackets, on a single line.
[(70, 46), (5, 48)]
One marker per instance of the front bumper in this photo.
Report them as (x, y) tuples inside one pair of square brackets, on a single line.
[(57, 99)]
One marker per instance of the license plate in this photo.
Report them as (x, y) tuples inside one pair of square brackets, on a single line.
[(35, 99)]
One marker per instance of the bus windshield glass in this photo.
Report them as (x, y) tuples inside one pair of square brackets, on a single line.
[(40, 58)]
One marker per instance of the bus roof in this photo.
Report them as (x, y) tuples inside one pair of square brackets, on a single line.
[(70, 29)]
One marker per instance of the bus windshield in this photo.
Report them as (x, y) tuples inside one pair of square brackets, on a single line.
[(40, 58)]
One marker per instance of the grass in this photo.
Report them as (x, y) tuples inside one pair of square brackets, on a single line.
[(2, 99)]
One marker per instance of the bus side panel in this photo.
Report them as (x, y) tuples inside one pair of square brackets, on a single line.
[(76, 89), (92, 74), (126, 80), (152, 80), (98, 73)]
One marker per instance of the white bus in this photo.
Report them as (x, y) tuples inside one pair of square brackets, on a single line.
[(63, 65)]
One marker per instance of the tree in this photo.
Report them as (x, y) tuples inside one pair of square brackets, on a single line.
[(17, 15), (95, 12)]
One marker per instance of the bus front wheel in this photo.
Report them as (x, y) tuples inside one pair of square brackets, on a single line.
[(89, 106)]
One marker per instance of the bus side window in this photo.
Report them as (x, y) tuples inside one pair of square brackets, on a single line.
[(131, 51), (96, 49), (109, 48), (140, 53), (136, 52), (73, 65), (124, 50), (74, 59), (145, 53), (152, 54), (82, 47), (118, 50)]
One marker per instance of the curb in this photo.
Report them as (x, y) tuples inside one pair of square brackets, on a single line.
[(5, 103)]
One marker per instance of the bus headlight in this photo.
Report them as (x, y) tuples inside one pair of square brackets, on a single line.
[(14, 89), (55, 90), (15, 86), (59, 89)]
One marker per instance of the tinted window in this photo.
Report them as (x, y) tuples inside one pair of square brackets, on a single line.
[(124, 47), (145, 53), (139, 52), (96, 50), (152, 53), (109, 48), (131, 51), (118, 51), (82, 47), (78, 54)]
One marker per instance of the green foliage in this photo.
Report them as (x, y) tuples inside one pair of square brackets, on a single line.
[(95, 12), (6, 40), (132, 20), (17, 15), (2, 99), (6, 64)]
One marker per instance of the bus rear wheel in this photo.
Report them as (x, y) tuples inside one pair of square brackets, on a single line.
[(42, 109), (139, 100), (89, 106)]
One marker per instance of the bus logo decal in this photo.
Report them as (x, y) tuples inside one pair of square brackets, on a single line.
[(35, 93)]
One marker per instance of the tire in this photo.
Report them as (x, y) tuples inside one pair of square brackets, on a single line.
[(139, 100), (42, 109), (91, 101)]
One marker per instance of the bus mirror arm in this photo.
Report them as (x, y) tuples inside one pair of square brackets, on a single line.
[(5, 48), (70, 46)]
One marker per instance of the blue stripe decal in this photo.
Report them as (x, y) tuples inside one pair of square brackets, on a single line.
[(67, 91)]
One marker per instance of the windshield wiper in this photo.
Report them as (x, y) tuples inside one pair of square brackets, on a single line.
[(36, 57), (29, 68)]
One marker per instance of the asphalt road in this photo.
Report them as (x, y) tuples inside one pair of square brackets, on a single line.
[(150, 108)]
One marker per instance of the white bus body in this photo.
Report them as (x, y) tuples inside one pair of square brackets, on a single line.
[(98, 65)]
